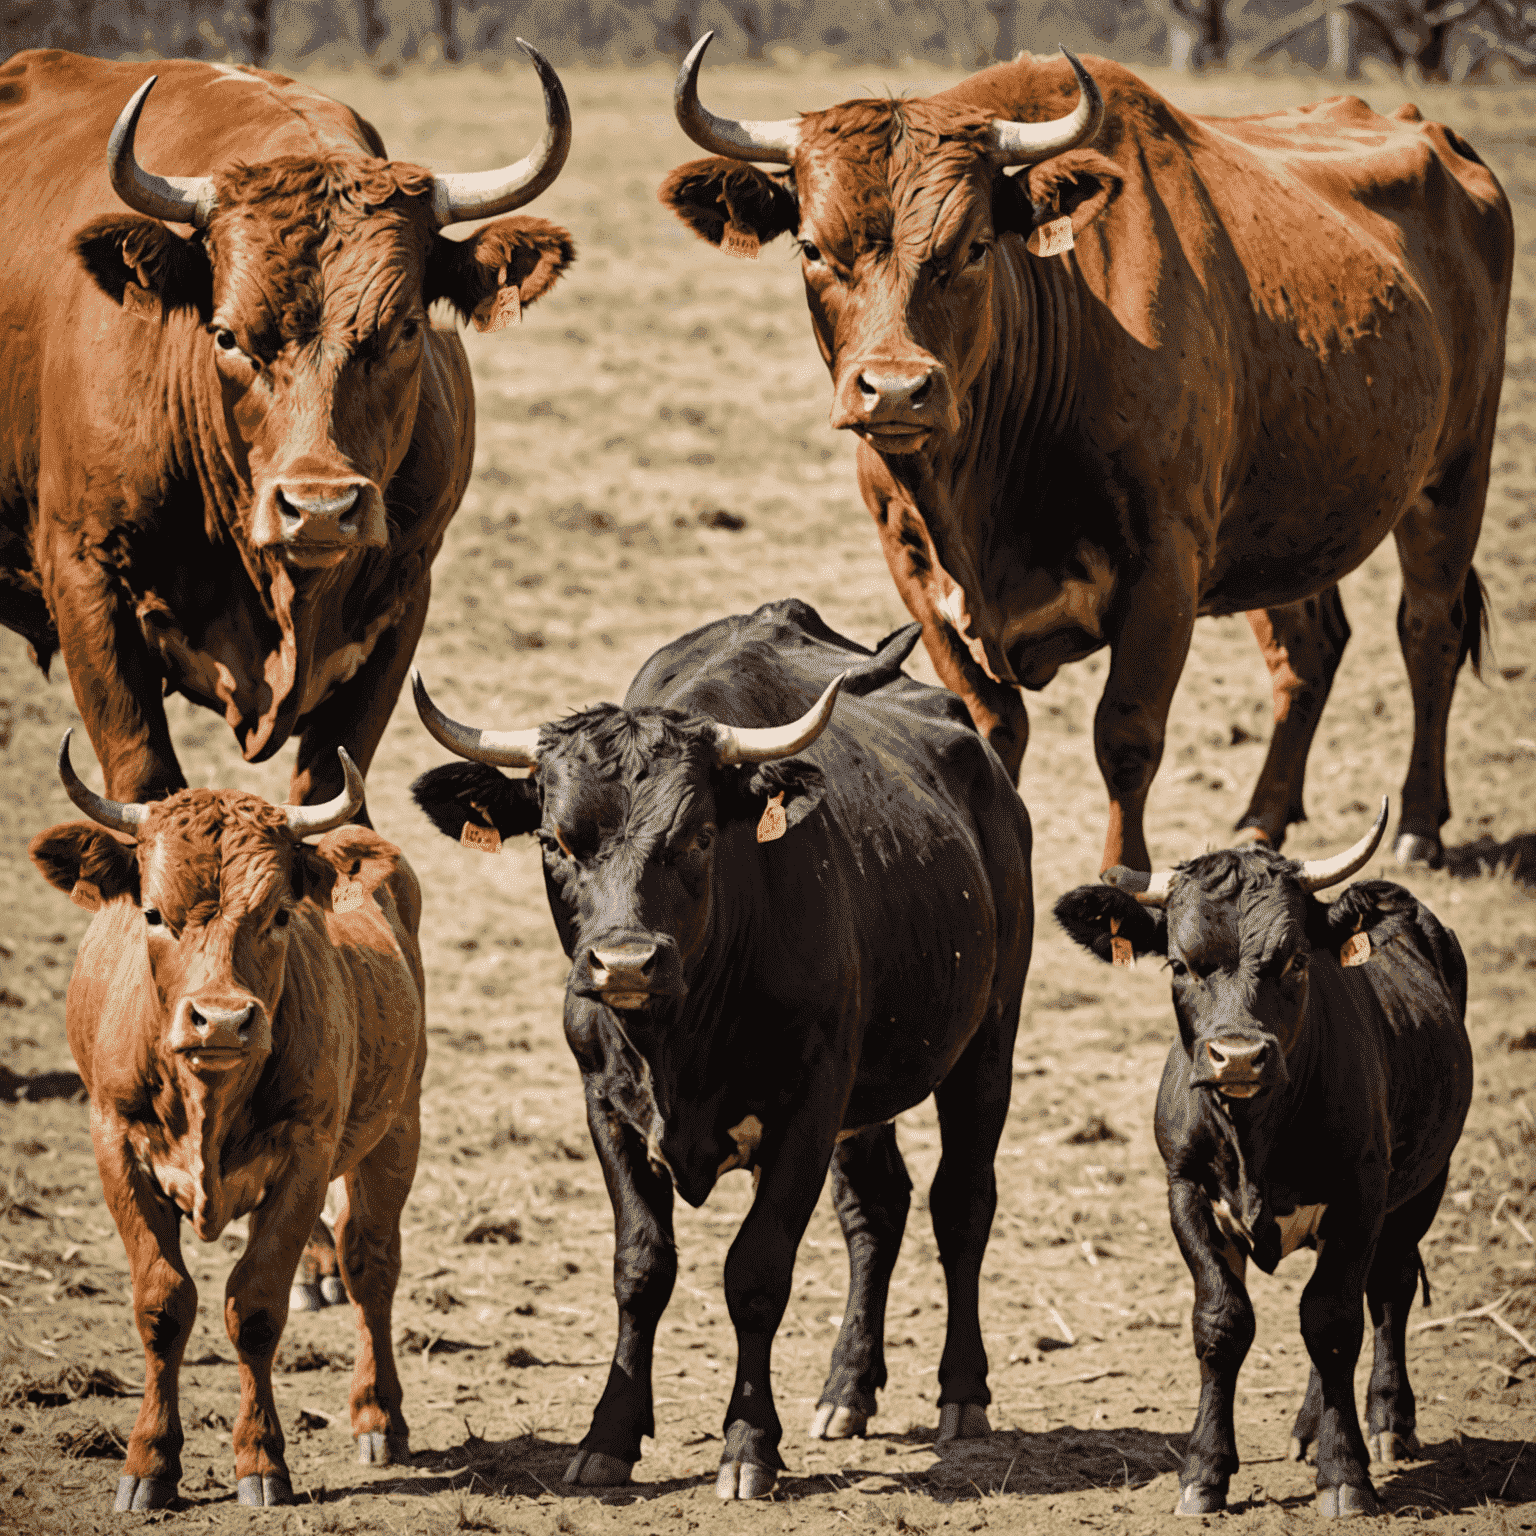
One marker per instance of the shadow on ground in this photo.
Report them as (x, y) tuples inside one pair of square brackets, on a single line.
[(1487, 856)]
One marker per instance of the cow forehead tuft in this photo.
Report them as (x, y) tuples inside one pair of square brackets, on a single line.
[(227, 817), (335, 190)]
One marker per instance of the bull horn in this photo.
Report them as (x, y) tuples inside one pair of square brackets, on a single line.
[(1316, 874), (172, 199), (481, 194), (122, 816), (502, 749), (1026, 143), (307, 820), (737, 744), (1151, 890), (769, 141)]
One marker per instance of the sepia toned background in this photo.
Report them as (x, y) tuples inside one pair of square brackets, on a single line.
[(653, 452)]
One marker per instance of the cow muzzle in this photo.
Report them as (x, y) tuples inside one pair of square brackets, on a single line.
[(1238, 1066), (319, 522), (895, 404), (629, 976), (216, 1036)]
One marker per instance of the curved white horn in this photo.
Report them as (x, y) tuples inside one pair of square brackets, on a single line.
[(1025, 143), (1151, 890), (502, 749), (769, 141), (461, 195), (175, 199), (747, 744), (1316, 874), (122, 816), (306, 820)]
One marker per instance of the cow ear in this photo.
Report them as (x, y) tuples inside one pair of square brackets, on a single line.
[(139, 264), (476, 795), (1078, 185), (350, 853), (748, 793), (86, 862), (489, 277), (1094, 914), (712, 195)]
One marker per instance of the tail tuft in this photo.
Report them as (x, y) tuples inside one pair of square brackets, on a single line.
[(1475, 635)]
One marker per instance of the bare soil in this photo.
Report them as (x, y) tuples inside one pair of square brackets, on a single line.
[(662, 385)]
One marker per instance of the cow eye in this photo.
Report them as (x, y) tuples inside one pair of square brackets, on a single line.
[(703, 838), (1295, 966), (408, 332), (809, 251), (1178, 968), (280, 918), (978, 252), (152, 917)]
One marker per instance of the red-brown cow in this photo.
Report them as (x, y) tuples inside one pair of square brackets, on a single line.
[(247, 1013), (1204, 367), (230, 440)]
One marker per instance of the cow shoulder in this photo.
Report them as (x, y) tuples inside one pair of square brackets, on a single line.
[(522, 253), (86, 862), (139, 264), (1095, 914), (478, 795), (710, 195)]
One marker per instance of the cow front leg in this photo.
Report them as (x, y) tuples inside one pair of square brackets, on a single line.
[(644, 1271), (1332, 1327), (1146, 657), (1303, 644), (1223, 1328), (164, 1309), (255, 1313), (368, 1249), (758, 1272), (872, 1194)]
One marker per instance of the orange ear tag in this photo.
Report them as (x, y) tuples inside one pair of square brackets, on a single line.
[(1355, 950), (1053, 239), (347, 896), (1120, 951), (481, 839), (774, 823), (86, 894), (141, 303), (737, 241)]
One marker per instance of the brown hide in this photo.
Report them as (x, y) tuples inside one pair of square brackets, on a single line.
[(243, 1045), (1277, 340), (231, 466)]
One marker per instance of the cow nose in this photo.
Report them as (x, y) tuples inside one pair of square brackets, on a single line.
[(1229, 1055), (895, 391), (205, 1018), (629, 963), (302, 504)]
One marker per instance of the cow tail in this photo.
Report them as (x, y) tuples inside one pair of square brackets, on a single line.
[(1474, 626), (1423, 1279)]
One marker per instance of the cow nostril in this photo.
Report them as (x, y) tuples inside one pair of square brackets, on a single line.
[(920, 394), (199, 1023), (1215, 1052), (290, 513), (867, 388)]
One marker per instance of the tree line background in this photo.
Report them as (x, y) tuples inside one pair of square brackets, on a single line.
[(1434, 39)]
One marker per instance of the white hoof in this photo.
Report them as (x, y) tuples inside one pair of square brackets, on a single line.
[(744, 1480), (306, 1298), (1389, 1448), (834, 1422)]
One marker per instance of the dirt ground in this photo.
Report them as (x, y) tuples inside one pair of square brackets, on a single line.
[(660, 385)]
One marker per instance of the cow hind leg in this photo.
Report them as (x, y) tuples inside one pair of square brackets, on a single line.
[(1441, 622), (368, 1247), (1391, 1413), (872, 1194), (1302, 645), (318, 1282)]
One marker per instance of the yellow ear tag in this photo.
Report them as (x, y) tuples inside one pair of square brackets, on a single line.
[(737, 241), (1355, 950), (1053, 239), (1120, 951), (774, 823), (86, 894), (141, 303), (347, 896), (502, 308), (481, 839)]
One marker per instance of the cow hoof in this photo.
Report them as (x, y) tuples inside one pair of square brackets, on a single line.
[(834, 1422), (263, 1491), (962, 1421), (744, 1480), (138, 1493), (332, 1291), (1201, 1499), (1344, 1501), (1411, 848), (306, 1298), (1299, 1450), (597, 1469), (380, 1448), (1390, 1448)]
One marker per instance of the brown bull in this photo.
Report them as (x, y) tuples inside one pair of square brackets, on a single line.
[(230, 439), (1262, 345), (247, 1013)]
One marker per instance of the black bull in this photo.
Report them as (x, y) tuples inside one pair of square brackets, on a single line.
[(1306, 1102), (774, 1004)]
